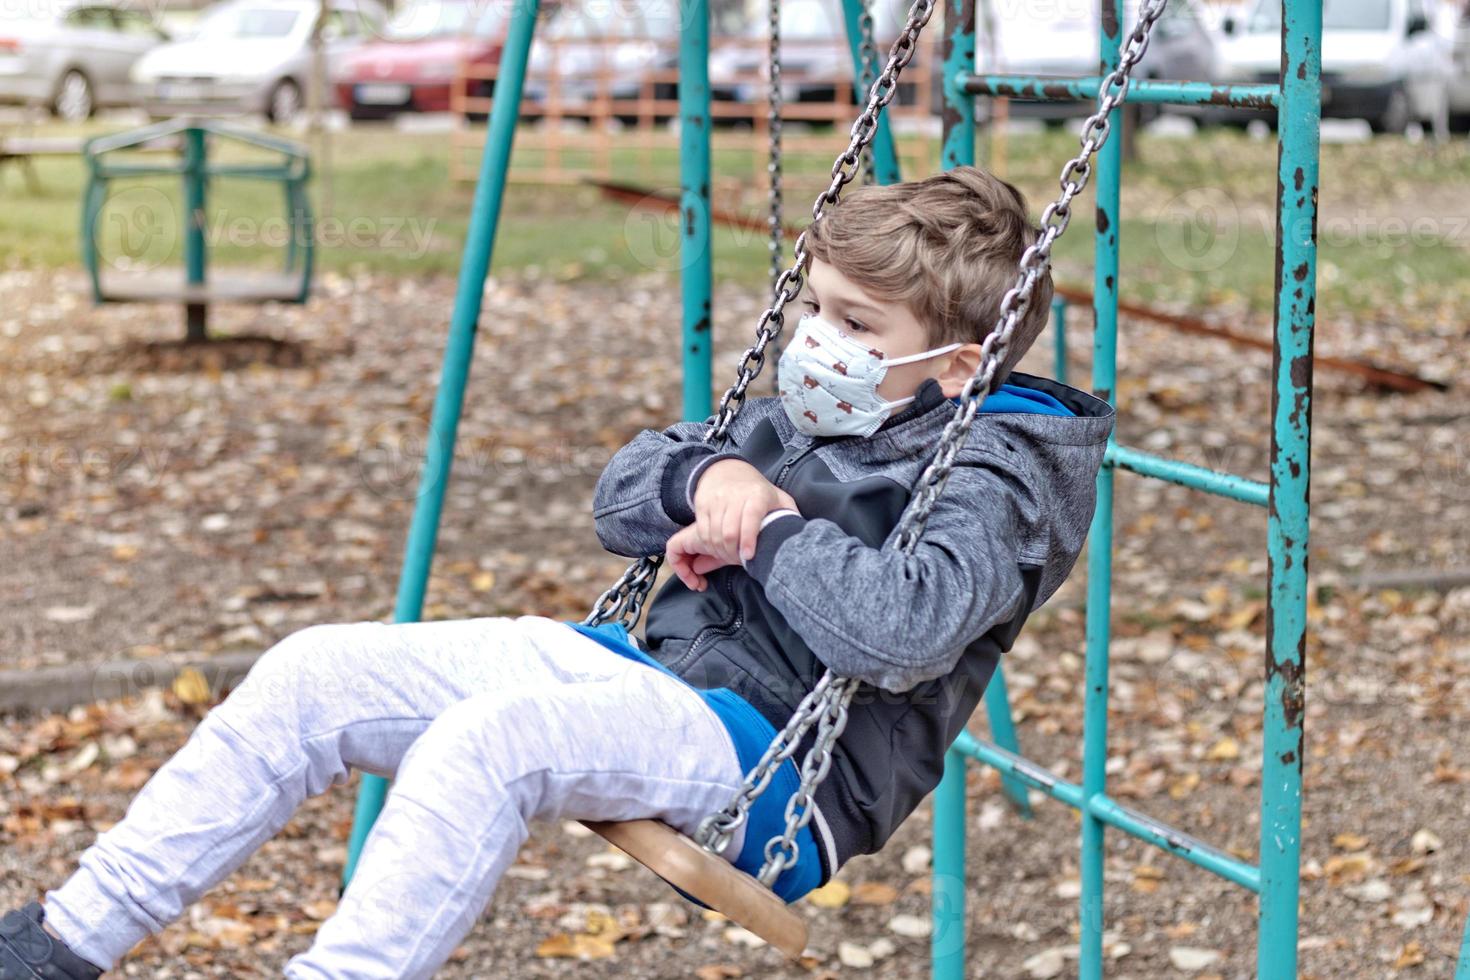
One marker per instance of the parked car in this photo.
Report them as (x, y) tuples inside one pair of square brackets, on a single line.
[(815, 55), (1381, 61), (1063, 38), (623, 39), (74, 59), (252, 56), (413, 67)]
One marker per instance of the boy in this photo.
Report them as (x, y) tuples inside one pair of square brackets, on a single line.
[(776, 545)]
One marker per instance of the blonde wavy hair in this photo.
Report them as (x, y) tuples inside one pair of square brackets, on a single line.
[(946, 247)]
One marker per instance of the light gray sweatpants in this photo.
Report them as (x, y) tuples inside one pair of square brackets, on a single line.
[(486, 723)]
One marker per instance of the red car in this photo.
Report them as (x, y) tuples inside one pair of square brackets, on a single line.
[(415, 64)]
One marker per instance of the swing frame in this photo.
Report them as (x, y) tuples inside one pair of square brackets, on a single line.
[(1297, 98)]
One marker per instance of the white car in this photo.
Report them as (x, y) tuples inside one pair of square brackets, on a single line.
[(252, 56), (1382, 60), (75, 57)]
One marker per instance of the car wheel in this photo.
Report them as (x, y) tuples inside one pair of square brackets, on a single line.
[(74, 100), (1395, 116), (284, 104)]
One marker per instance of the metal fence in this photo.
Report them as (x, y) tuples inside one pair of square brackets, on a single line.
[(591, 122)]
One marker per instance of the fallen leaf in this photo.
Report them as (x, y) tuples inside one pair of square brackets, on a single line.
[(833, 895), (191, 687)]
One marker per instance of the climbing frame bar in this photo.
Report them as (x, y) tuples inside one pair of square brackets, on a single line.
[(1063, 88), (696, 257), (885, 154), (1299, 127), (1277, 877)]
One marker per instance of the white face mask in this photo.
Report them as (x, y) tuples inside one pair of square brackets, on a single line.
[(829, 380)]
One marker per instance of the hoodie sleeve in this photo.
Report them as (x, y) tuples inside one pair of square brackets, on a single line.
[(645, 493), (642, 497), (895, 620)]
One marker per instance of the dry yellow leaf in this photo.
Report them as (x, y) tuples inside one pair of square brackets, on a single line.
[(580, 947), (1411, 955), (833, 895), (1349, 841), (1184, 786), (1346, 867), (190, 687), (483, 582), (1225, 750)]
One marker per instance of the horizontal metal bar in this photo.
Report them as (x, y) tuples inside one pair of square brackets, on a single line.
[(1176, 842), (1067, 88), (1028, 772), (1113, 813), (1187, 474)]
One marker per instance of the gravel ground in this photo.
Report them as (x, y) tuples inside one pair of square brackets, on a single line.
[(165, 503)]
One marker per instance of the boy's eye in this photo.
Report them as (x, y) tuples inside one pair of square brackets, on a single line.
[(855, 326)]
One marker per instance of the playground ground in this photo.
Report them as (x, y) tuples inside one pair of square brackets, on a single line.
[(181, 506)]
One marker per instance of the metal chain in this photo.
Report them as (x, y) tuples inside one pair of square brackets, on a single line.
[(829, 700), (773, 127), (868, 55), (622, 602)]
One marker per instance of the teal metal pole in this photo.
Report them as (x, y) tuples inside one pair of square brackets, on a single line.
[(195, 191), (947, 898), (947, 892), (959, 108), (885, 153), (1059, 337), (696, 256), (1462, 972), (1287, 523), (1100, 542), (474, 266)]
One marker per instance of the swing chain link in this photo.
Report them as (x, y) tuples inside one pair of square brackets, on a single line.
[(773, 128), (623, 602), (868, 55), (829, 701)]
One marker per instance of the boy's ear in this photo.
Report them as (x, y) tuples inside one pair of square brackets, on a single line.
[(963, 363)]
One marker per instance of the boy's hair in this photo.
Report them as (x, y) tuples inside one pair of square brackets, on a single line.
[(947, 247)]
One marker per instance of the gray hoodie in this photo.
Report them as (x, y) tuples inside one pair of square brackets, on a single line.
[(923, 632)]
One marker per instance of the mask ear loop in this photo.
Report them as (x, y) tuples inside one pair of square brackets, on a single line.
[(923, 355)]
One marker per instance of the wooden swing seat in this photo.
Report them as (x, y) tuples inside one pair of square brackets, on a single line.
[(710, 878)]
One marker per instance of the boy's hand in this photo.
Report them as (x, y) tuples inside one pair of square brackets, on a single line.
[(688, 558), (730, 500)]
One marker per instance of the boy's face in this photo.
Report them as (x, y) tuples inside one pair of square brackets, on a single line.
[(888, 327)]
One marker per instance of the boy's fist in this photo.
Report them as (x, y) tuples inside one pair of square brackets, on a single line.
[(686, 556), (730, 500)]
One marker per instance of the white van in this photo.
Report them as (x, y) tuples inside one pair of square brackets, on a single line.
[(1382, 60)]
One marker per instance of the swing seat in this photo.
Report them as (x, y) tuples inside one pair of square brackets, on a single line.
[(710, 878)]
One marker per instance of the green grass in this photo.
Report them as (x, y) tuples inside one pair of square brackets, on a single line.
[(392, 208)]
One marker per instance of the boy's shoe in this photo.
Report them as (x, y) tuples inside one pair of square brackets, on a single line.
[(29, 952)]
